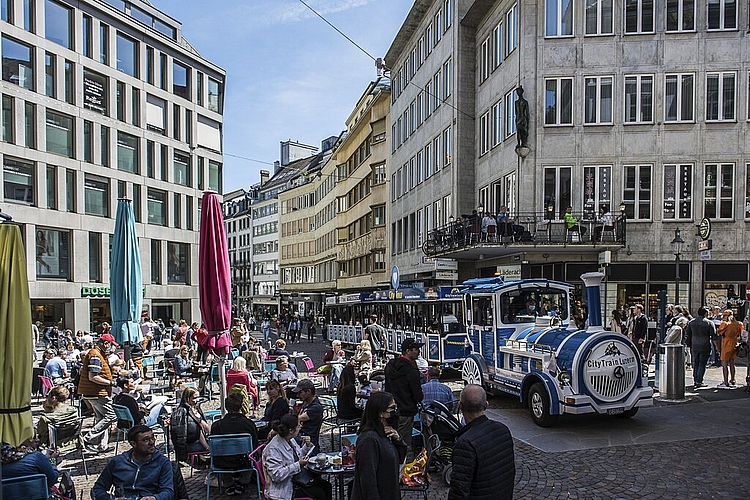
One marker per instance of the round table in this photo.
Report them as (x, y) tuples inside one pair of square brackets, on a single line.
[(337, 473)]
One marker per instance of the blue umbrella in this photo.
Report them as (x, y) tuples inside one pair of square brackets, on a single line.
[(125, 278)]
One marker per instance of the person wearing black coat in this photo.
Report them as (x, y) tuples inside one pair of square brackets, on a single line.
[(402, 379), (188, 426), (483, 462)]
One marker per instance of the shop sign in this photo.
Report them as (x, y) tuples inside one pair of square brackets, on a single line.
[(705, 255), (99, 291), (747, 291), (446, 275), (704, 228), (509, 272)]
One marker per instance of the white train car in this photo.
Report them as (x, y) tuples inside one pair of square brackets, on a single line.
[(553, 367)]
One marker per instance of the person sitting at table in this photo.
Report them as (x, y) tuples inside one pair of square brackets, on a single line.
[(277, 406), (238, 374), (133, 400), (571, 222), (188, 426), (280, 349), (334, 357), (380, 450), (282, 373), (606, 220), (283, 457), (311, 413), (56, 412), (26, 459), (181, 363), (57, 367), (346, 401), (363, 356)]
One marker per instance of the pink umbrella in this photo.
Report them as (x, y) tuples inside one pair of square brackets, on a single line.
[(214, 284)]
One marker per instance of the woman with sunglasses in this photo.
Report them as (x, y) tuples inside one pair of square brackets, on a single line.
[(380, 450)]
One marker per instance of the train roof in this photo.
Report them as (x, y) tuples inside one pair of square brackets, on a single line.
[(497, 283)]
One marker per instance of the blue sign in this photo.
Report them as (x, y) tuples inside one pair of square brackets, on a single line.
[(395, 278)]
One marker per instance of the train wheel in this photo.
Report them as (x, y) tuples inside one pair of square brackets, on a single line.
[(539, 406), (630, 413), (471, 372)]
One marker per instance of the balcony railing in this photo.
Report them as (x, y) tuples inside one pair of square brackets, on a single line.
[(525, 229)]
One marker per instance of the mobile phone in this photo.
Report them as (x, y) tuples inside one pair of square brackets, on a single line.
[(310, 452)]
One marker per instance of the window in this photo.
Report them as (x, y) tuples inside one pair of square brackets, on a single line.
[(96, 196), (28, 15), (214, 176), (95, 88), (558, 101), (135, 111), (8, 119), (51, 187), (104, 146), (447, 146), (164, 162), (87, 37), (18, 180), (720, 96), (177, 262), (718, 197), (69, 78), (151, 159), (448, 13), (680, 15), (177, 211), (120, 101), (104, 44), (510, 114), (447, 78), (722, 14), (511, 27), (60, 134), (50, 63), (484, 60), (497, 45), (176, 128), (599, 17), (678, 189), (18, 63), (378, 215), (199, 87), (182, 169), (180, 80), (163, 71), (157, 209), (189, 213), (597, 190), (30, 124), (95, 257), (127, 152), (598, 100), (497, 123), (155, 262), (509, 191), (559, 20), (747, 191), (52, 254), (58, 23), (639, 16), (679, 99), (485, 130), (6, 10), (71, 189), (639, 98), (557, 190), (127, 55), (137, 202), (88, 141)]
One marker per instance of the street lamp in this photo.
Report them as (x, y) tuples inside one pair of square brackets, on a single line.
[(677, 243)]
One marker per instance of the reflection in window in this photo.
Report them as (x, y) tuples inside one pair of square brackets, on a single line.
[(103, 43), (70, 190), (30, 124), (52, 187), (177, 259), (18, 180), (127, 152), (86, 42), (182, 169), (157, 209), (214, 176), (127, 55), (155, 262), (215, 97), (180, 80), (482, 311), (95, 257), (18, 63), (50, 63), (7, 119), (58, 21), (96, 196), (52, 254), (59, 134)]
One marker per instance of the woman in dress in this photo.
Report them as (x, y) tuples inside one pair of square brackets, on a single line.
[(188, 426), (730, 331), (380, 450)]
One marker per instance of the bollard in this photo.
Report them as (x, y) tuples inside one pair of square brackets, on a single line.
[(672, 371)]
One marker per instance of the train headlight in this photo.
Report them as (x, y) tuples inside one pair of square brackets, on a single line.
[(564, 377)]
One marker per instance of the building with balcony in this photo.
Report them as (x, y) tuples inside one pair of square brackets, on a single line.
[(103, 100)]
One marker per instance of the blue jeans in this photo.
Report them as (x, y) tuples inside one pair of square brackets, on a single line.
[(700, 360), (153, 417)]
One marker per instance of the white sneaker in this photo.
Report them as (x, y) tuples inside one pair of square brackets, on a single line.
[(722, 386)]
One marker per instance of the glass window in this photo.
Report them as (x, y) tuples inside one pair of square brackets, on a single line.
[(151, 159), (157, 207), (177, 211), (18, 180), (104, 146), (29, 17), (598, 100), (104, 44), (120, 101), (127, 152), (559, 18), (164, 162), (511, 30), (177, 262), (189, 213), (96, 196), (182, 169), (679, 98), (87, 31), (58, 23), (142, 16), (497, 123), (484, 133), (484, 60), (163, 71), (510, 114), (70, 190), (201, 174), (68, 81), (6, 10), (558, 101), (214, 176), (188, 126), (18, 63), (52, 254), (722, 14), (378, 215), (199, 87), (597, 190), (180, 80), (88, 131), (215, 96), (135, 111), (557, 190), (150, 65), (95, 257), (639, 98), (137, 202), (165, 29), (52, 187), (599, 17), (497, 45), (639, 16), (95, 88), (720, 96), (176, 121), (719, 191), (60, 134), (8, 119), (155, 262), (127, 55), (50, 62), (30, 124), (680, 15), (678, 190), (447, 146)]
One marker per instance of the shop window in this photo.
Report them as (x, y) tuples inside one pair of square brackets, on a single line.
[(52, 254)]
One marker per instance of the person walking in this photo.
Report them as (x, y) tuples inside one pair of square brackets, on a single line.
[(700, 333), (95, 386), (729, 333), (403, 381), (640, 330), (483, 461)]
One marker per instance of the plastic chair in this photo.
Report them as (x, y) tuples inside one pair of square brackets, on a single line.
[(226, 446), (62, 433), (432, 444), (256, 459), (123, 414), (312, 372), (47, 384), (33, 487)]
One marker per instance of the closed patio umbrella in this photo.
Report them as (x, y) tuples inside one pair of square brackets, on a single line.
[(125, 279), (214, 283), (16, 344)]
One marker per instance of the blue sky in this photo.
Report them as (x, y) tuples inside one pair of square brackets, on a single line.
[(289, 75)]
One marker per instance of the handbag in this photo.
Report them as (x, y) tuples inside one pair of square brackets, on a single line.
[(303, 478), (742, 350)]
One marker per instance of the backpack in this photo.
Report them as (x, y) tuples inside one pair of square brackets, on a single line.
[(66, 490)]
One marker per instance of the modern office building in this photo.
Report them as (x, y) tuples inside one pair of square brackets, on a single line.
[(103, 100)]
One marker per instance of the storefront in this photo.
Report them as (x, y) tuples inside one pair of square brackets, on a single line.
[(724, 285), (46, 312)]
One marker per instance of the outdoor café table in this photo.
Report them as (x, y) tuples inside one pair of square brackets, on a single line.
[(337, 474), (296, 356)]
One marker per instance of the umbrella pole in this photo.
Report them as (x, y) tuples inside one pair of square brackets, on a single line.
[(126, 353), (222, 385)]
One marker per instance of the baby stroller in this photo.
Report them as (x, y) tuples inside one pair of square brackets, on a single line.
[(438, 420)]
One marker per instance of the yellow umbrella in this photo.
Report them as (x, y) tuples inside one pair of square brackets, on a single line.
[(15, 339)]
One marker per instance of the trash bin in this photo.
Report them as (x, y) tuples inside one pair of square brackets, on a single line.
[(672, 371)]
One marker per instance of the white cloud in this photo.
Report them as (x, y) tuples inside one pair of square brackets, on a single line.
[(275, 12)]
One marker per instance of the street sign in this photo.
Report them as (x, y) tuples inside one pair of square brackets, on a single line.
[(705, 245), (395, 278), (705, 254), (704, 228), (605, 257), (446, 275)]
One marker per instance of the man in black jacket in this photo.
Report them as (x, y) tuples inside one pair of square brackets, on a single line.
[(403, 381), (699, 334), (483, 462), (640, 330)]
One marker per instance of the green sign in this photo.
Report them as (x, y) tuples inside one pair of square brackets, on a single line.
[(704, 228), (99, 291)]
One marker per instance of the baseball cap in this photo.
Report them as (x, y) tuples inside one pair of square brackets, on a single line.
[(303, 384), (107, 337), (410, 343)]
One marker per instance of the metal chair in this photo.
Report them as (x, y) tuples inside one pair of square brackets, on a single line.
[(61, 434), (228, 445), (607, 230), (432, 444), (312, 372), (124, 414), (33, 487)]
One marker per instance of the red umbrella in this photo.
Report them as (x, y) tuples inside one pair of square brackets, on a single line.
[(214, 283)]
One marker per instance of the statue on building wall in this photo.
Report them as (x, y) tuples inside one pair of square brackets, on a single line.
[(522, 118)]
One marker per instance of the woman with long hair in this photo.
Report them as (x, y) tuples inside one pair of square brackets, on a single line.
[(283, 458), (277, 407), (615, 323), (188, 426), (346, 394), (730, 331), (363, 356), (239, 374), (380, 450)]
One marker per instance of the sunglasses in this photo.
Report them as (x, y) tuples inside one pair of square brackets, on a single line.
[(392, 408)]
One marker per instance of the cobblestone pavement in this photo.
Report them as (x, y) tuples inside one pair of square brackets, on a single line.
[(685, 469)]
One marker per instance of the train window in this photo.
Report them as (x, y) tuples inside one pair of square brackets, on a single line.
[(523, 306), (482, 311)]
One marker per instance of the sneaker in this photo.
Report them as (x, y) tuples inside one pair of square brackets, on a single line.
[(698, 385), (235, 490), (722, 386)]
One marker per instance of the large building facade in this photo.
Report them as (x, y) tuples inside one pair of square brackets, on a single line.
[(104, 100)]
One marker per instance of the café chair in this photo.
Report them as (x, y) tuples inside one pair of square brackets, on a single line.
[(123, 415), (256, 459), (225, 446), (47, 384), (65, 432), (32, 487), (312, 372)]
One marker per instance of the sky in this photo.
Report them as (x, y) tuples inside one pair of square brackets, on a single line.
[(290, 76)]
